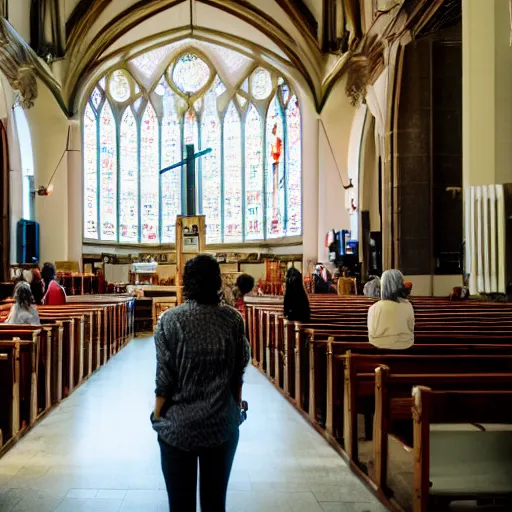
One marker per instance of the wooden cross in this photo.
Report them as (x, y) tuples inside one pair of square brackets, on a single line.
[(190, 176)]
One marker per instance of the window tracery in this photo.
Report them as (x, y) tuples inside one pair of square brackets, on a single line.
[(249, 186)]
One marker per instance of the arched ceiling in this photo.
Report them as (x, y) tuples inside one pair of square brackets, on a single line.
[(114, 31)]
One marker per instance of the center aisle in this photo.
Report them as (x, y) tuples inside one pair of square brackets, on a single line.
[(97, 452)]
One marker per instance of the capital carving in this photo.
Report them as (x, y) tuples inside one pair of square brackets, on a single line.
[(17, 63)]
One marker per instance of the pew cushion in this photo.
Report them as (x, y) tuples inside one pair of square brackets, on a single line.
[(470, 464)]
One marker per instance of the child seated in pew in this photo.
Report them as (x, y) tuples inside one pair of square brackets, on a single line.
[(244, 286), (391, 320), (23, 310)]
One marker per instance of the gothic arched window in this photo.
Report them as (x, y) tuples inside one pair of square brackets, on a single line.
[(138, 120)]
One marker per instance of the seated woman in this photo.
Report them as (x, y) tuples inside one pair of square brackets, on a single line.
[(55, 294), (391, 320), (23, 310), (296, 303)]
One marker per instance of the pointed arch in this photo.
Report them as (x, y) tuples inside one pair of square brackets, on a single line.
[(90, 155), (233, 231), (211, 203), (274, 171), (253, 175), (171, 180), (293, 169), (128, 179), (108, 174), (149, 176)]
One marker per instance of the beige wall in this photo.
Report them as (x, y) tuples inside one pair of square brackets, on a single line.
[(49, 130), (487, 92), (337, 117)]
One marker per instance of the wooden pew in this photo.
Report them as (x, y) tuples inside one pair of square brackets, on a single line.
[(359, 381), (18, 358), (446, 464)]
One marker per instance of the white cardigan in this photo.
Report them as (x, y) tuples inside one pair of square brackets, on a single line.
[(391, 324)]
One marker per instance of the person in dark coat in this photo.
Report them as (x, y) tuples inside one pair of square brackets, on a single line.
[(296, 303)]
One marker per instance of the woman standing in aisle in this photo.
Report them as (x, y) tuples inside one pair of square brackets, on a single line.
[(201, 353)]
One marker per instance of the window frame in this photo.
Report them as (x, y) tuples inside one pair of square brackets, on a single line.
[(143, 95)]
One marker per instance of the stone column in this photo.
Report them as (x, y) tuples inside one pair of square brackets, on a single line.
[(487, 92), (75, 194)]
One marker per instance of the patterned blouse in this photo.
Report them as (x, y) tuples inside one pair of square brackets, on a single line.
[(201, 353)]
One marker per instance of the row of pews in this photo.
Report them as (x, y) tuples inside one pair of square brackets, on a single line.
[(41, 365), (423, 427)]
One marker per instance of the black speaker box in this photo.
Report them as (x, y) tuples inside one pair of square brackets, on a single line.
[(27, 241)]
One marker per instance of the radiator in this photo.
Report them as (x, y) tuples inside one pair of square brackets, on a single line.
[(488, 238)]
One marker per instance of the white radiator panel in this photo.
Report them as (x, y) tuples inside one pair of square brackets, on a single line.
[(485, 226)]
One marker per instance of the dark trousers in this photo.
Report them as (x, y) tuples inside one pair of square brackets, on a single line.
[(180, 473)]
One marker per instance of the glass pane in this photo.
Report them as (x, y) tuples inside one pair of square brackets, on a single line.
[(90, 174), (275, 170), (119, 86), (96, 98), (190, 73), (129, 179), (190, 136), (294, 168), (108, 174), (211, 169), (261, 84), (149, 176), (253, 175), (171, 180), (232, 176)]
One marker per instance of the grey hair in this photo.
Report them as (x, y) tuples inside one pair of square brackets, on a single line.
[(392, 286), (372, 288)]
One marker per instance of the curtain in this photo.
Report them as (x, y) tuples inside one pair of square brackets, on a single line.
[(5, 235), (45, 29)]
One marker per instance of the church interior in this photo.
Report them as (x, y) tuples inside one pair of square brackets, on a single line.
[(340, 138)]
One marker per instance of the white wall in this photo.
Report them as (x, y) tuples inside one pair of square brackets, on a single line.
[(337, 117), (49, 129)]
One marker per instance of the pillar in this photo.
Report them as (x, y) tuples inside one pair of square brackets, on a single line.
[(487, 92)]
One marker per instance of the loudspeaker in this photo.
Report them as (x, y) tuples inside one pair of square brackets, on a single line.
[(27, 241)]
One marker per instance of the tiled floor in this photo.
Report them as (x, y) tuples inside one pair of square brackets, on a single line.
[(97, 452)]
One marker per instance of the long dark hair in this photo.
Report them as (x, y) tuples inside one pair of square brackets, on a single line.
[(296, 303), (202, 280), (48, 274), (23, 295)]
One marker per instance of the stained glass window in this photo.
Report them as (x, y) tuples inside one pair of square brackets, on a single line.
[(90, 149), (249, 186), (119, 86), (171, 180), (108, 174), (190, 73), (149, 177), (275, 182), (129, 179), (261, 82), (293, 168), (211, 169), (232, 176), (253, 175)]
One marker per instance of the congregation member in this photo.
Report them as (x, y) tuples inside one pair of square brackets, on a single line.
[(322, 279), (391, 320), (23, 310), (296, 303), (54, 293), (244, 286), (201, 353), (372, 288), (37, 286)]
